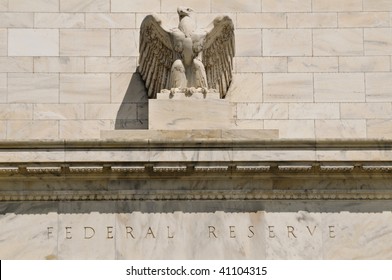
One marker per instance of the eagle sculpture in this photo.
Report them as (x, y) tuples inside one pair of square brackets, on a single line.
[(186, 58)]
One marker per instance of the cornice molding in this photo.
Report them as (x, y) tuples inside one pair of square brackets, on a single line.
[(195, 195), (62, 170), (376, 144)]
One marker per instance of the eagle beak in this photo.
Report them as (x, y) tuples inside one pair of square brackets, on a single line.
[(183, 11)]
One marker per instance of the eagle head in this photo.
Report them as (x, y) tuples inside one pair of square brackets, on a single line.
[(184, 12)]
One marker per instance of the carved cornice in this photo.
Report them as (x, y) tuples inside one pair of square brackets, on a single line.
[(196, 195), (106, 169), (58, 170)]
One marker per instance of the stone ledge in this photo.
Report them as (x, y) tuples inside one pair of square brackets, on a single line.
[(192, 135), (119, 142)]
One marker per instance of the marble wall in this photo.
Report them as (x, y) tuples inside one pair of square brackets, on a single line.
[(310, 68), (121, 230)]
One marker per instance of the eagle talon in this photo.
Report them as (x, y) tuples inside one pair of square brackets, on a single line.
[(190, 91)]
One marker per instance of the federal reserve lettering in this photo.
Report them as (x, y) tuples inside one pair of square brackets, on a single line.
[(209, 232)]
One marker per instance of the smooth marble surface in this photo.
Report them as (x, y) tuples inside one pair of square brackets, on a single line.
[(185, 114), (96, 230)]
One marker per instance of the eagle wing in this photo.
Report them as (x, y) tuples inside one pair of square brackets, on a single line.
[(156, 54), (218, 53)]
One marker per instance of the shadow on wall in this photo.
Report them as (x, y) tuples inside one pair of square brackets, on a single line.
[(133, 111), (211, 206)]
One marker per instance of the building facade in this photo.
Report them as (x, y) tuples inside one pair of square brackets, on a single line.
[(295, 162)]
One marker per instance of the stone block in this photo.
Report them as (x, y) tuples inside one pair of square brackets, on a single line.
[(33, 88), (364, 19), (292, 129), (22, 130), (377, 5), (59, 20), (288, 87), (16, 112), (310, 111), (110, 64), (83, 129), (261, 64), (59, 64), (211, 231), (58, 111), (85, 42), (248, 42), (3, 129), (340, 129), (119, 86), (312, 20), (183, 114), (238, 6), (285, 230), (248, 124), (3, 87), (378, 87), (16, 20), (286, 6), (136, 6), (28, 243), (31, 156), (337, 42), (287, 42), (36, 6), (359, 235), (261, 20), (336, 5), (3, 42), (16, 64), (86, 236), (170, 6), (84, 88), (259, 111), (379, 129), (109, 111), (364, 64), (3, 5), (33, 42), (333, 87), (354, 155), (85, 6), (378, 41), (365, 110), (142, 111), (110, 20), (125, 42), (313, 64), (246, 87), (128, 88)]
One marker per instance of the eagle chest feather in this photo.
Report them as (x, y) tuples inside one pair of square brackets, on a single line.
[(187, 26)]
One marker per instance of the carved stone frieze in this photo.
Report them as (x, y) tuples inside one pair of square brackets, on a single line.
[(126, 169), (196, 169), (43, 169)]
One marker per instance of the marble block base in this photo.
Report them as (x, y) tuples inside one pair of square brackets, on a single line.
[(123, 230), (190, 114)]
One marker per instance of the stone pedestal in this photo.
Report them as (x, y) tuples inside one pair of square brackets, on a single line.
[(190, 114)]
